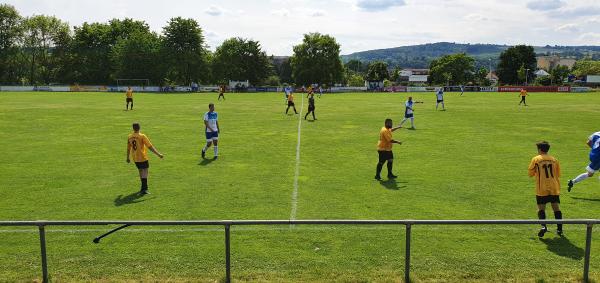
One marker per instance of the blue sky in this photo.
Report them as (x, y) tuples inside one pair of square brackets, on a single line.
[(357, 24)]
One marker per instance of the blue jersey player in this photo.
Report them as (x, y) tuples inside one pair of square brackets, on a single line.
[(594, 143), (211, 125)]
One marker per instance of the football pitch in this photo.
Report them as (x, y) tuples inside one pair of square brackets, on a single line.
[(63, 158)]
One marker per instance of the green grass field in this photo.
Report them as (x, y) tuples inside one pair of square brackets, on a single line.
[(63, 158)]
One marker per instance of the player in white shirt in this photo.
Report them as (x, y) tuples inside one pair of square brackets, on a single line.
[(440, 99), (211, 125), (409, 113)]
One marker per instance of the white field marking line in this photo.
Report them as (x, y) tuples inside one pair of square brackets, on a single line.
[(297, 174), (307, 227)]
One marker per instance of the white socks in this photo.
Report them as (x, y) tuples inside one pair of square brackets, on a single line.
[(205, 148), (580, 178), (216, 150)]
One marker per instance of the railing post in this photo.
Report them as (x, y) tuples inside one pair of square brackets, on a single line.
[(227, 255), (407, 255), (43, 253), (588, 249)]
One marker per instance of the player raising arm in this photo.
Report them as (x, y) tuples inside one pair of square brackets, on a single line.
[(409, 112), (384, 149)]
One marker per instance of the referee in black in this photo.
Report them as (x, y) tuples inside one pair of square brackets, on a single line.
[(311, 106)]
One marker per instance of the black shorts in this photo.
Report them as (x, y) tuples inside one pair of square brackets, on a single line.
[(311, 108), (129, 99), (408, 115), (439, 101), (547, 199), (385, 155), (142, 165), (290, 103)]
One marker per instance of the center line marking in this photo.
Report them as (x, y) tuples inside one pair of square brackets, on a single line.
[(295, 192)]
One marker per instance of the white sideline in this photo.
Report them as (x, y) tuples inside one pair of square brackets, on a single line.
[(297, 174)]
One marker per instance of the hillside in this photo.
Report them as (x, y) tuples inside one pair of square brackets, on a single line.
[(419, 56)]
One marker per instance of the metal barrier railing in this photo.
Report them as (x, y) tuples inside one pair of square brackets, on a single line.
[(228, 223)]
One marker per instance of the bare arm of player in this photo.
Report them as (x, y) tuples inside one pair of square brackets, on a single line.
[(218, 127), (395, 128), (395, 141), (128, 151), (589, 143), (531, 168), (156, 152)]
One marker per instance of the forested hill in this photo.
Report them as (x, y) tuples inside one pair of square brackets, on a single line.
[(419, 56)]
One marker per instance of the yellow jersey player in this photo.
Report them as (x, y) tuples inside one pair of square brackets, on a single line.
[(384, 149), (137, 143), (290, 100), (221, 92), (546, 171), (129, 98), (523, 94)]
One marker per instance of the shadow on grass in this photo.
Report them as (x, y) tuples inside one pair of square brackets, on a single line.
[(129, 199), (588, 199), (392, 184), (563, 247), (206, 161)]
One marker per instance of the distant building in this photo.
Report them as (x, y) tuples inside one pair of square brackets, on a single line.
[(548, 63), (492, 77), (414, 75)]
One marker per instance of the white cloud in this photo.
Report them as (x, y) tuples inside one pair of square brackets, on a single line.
[(283, 12), (317, 13), (214, 11), (475, 17), (576, 12), (378, 5), (545, 5), (568, 28)]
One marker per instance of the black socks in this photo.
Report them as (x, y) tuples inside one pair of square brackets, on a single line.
[(558, 215), (144, 184), (542, 216)]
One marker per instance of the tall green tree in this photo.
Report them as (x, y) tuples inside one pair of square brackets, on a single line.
[(10, 35), (480, 77), (378, 71), (185, 52), (41, 35), (586, 67), (92, 47), (240, 59), (138, 57), (511, 60), (317, 60), (455, 69), (357, 66), (559, 74)]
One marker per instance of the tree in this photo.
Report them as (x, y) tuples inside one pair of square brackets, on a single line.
[(184, 51), (395, 75), (559, 74), (378, 71), (356, 80), (10, 34), (92, 47), (511, 60), (240, 59), (357, 66), (481, 77), (452, 69), (284, 71), (42, 34), (586, 67), (138, 57), (317, 60)]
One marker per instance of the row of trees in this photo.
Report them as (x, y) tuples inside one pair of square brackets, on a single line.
[(44, 50)]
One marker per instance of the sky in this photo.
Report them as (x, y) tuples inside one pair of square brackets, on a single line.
[(357, 25)]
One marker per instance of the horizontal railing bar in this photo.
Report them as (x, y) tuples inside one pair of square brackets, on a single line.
[(294, 222)]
